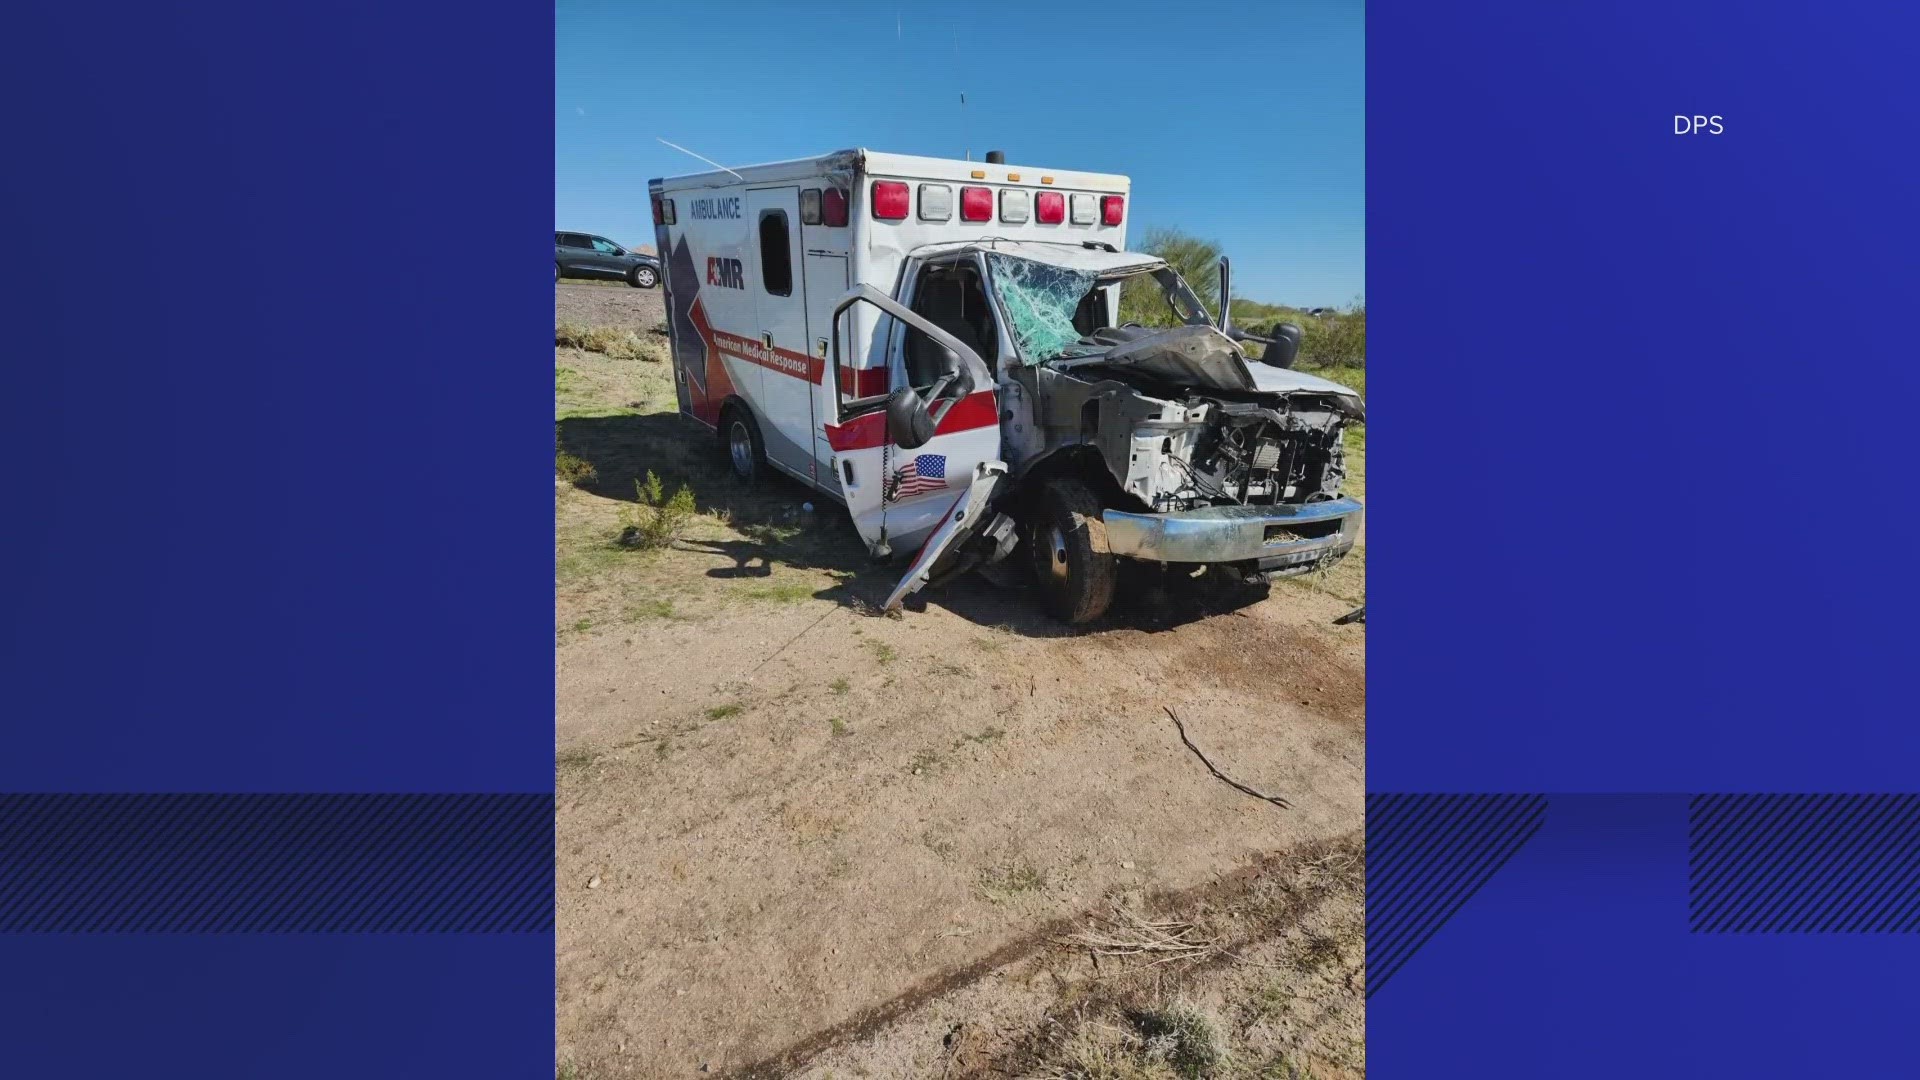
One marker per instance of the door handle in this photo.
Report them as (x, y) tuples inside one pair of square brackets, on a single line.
[(766, 338)]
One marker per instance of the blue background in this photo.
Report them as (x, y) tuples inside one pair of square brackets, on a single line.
[(274, 430), (1642, 409), (1575, 961), (1643, 406)]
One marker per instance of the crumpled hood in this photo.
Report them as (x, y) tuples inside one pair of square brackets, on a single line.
[(1200, 357), (1275, 380)]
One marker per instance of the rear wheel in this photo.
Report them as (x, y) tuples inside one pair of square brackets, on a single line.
[(643, 277), (746, 453), (1067, 544)]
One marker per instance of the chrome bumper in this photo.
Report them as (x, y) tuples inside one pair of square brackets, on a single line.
[(1233, 534)]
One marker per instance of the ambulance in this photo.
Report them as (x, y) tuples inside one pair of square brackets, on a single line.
[(936, 346)]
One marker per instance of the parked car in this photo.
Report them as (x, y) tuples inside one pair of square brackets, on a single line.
[(584, 255)]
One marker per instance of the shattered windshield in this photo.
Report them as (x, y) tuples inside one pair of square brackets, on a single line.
[(1047, 310), (1039, 300)]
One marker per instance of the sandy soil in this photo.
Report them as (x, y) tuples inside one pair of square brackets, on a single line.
[(797, 838), (612, 304)]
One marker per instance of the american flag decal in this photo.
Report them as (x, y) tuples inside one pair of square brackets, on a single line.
[(925, 473)]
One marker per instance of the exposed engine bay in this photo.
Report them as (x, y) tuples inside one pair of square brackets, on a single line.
[(1178, 414), (1184, 450), (1182, 421)]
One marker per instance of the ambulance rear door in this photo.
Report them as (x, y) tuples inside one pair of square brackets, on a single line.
[(780, 305)]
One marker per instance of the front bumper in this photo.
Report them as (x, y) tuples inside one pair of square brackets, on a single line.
[(1274, 539)]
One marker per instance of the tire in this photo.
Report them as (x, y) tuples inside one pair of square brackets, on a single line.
[(556, 273), (1067, 545), (740, 439), (643, 277)]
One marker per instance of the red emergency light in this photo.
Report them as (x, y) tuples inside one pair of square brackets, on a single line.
[(976, 204), (891, 200), (1112, 208), (656, 209), (1049, 207)]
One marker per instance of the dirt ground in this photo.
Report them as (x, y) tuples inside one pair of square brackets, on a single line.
[(795, 838)]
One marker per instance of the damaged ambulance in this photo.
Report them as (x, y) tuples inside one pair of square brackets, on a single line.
[(937, 345)]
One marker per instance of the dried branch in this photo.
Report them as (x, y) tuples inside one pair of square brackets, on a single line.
[(1228, 780), (1130, 935)]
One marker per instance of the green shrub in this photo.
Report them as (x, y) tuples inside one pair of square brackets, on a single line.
[(655, 521), (1331, 338), (573, 469)]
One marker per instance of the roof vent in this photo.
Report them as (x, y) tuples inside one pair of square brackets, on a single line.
[(996, 157)]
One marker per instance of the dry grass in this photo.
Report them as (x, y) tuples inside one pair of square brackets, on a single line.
[(617, 342)]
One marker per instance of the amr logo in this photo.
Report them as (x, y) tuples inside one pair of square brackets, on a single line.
[(725, 273)]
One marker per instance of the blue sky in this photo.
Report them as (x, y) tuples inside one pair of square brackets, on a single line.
[(1244, 124)]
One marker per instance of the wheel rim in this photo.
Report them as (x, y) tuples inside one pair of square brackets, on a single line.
[(740, 447), (646, 277), (1056, 552)]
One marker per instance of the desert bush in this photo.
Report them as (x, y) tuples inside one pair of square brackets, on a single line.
[(573, 469), (655, 521), (1331, 338), (1186, 1037), (1177, 1041)]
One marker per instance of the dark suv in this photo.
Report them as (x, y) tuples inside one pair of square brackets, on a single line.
[(584, 255)]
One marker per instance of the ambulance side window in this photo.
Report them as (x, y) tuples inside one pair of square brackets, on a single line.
[(776, 258)]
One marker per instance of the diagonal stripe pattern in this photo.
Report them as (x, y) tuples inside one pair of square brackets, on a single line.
[(1811, 864), (1426, 857), (276, 863)]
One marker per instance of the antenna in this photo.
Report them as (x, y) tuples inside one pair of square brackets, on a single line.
[(706, 159), (963, 100)]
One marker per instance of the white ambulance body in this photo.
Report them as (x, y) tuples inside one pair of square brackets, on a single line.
[(791, 288), (757, 258)]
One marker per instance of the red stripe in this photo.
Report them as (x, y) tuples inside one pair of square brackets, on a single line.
[(864, 382), (864, 432), (784, 361)]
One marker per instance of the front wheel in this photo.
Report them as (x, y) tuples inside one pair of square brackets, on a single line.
[(643, 277), (1067, 543)]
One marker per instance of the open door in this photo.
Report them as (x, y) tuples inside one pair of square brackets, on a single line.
[(932, 494)]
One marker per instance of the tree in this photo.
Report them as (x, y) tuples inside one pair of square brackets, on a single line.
[(1196, 260)]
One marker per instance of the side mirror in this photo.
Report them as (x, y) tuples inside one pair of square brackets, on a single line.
[(909, 424), (1283, 344)]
